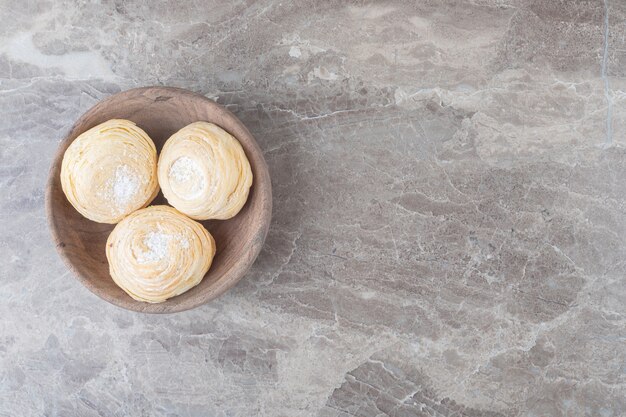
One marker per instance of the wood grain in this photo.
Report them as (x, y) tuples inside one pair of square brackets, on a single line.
[(161, 111)]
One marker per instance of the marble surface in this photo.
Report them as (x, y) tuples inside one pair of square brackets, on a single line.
[(449, 210)]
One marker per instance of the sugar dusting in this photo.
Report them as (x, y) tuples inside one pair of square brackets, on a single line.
[(157, 244), (183, 241), (186, 172), (183, 169), (125, 186)]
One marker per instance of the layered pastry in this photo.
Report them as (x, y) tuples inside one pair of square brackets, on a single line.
[(110, 171), (157, 253), (204, 172)]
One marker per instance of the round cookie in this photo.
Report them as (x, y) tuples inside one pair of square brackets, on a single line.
[(204, 172), (110, 171), (157, 253)]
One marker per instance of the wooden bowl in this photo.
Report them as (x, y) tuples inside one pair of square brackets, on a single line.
[(161, 111)]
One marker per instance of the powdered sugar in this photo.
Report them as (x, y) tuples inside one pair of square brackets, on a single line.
[(183, 169), (125, 186), (186, 177), (157, 244), (120, 189)]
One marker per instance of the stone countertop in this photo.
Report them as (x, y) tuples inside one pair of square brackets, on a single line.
[(449, 210)]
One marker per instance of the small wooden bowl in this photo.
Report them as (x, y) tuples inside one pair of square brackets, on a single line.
[(161, 111)]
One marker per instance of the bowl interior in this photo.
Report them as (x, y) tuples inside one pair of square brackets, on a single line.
[(161, 111)]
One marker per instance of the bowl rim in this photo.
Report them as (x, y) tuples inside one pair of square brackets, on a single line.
[(250, 251)]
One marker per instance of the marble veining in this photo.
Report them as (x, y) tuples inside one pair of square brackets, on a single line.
[(449, 210)]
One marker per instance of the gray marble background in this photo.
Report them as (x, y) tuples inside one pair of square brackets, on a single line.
[(449, 209)]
